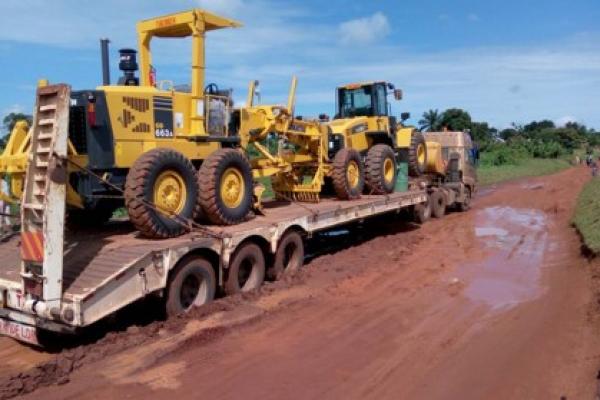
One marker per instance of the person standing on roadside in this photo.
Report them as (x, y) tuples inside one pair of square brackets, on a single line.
[(594, 166)]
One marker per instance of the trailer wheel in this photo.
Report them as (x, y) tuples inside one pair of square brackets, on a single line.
[(422, 212), (348, 174), (417, 154), (438, 204), (246, 270), (192, 284), (380, 168), (465, 205), (166, 179), (289, 256), (225, 181)]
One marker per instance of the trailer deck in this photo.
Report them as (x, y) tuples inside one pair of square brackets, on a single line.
[(108, 268)]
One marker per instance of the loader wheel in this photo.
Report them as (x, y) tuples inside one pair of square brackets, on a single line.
[(438, 204), (166, 179), (348, 174), (417, 154), (465, 205), (380, 168), (289, 256), (225, 181), (422, 212), (192, 284), (246, 270)]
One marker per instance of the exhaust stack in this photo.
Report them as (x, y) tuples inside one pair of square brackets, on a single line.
[(105, 62)]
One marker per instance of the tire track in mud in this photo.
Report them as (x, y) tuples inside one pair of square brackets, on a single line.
[(155, 340)]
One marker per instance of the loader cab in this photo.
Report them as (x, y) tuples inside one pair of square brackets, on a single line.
[(365, 100)]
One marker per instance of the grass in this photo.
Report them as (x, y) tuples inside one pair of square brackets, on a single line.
[(587, 215), (525, 167)]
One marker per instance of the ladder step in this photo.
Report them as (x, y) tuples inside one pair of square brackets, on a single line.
[(33, 206), (39, 177), (41, 164), (48, 107), (45, 136), (43, 150), (48, 121)]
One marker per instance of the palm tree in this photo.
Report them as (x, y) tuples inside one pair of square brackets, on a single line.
[(431, 121)]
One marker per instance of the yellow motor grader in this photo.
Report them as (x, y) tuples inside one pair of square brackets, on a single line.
[(169, 150)]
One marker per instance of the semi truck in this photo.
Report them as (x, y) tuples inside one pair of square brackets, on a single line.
[(56, 280)]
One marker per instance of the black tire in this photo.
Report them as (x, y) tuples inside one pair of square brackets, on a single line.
[(422, 212), (465, 205), (192, 284), (438, 204), (140, 189), (217, 167), (381, 161), (246, 270), (289, 256), (344, 160), (417, 154), (90, 217)]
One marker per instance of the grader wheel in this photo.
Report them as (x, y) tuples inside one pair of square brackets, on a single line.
[(380, 169), (161, 184), (348, 174), (225, 181), (417, 154)]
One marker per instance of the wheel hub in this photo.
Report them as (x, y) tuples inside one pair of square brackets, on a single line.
[(353, 174), (421, 153), (232, 188), (170, 193), (388, 170)]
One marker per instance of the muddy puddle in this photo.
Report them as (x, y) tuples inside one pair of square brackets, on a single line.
[(514, 241)]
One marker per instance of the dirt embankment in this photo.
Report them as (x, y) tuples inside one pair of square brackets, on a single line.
[(494, 303)]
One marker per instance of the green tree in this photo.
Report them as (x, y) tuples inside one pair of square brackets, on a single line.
[(481, 132), (11, 119), (431, 121), (536, 126), (456, 119)]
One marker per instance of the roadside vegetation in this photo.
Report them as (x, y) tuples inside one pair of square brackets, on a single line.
[(587, 215), (537, 148)]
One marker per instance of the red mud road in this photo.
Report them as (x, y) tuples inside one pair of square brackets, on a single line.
[(496, 303)]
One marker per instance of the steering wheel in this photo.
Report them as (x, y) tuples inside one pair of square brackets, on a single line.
[(211, 88)]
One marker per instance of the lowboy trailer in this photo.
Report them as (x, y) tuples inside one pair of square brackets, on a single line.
[(53, 279)]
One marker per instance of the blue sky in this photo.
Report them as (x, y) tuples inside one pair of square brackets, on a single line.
[(503, 61)]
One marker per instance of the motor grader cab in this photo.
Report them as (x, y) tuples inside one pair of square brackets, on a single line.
[(364, 122)]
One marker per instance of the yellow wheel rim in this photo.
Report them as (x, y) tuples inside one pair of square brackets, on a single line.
[(388, 170), (232, 188), (353, 174), (170, 192), (421, 154)]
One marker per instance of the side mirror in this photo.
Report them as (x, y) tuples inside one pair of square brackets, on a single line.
[(391, 86), (404, 116), (398, 94)]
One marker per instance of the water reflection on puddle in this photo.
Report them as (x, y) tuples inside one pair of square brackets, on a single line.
[(515, 240)]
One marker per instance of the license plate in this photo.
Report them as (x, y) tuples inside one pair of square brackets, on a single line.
[(21, 332)]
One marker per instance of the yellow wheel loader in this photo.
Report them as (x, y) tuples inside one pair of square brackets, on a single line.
[(363, 122)]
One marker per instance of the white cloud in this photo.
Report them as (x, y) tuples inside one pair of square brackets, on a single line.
[(226, 7), (561, 122), (15, 108), (364, 30), (473, 17)]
